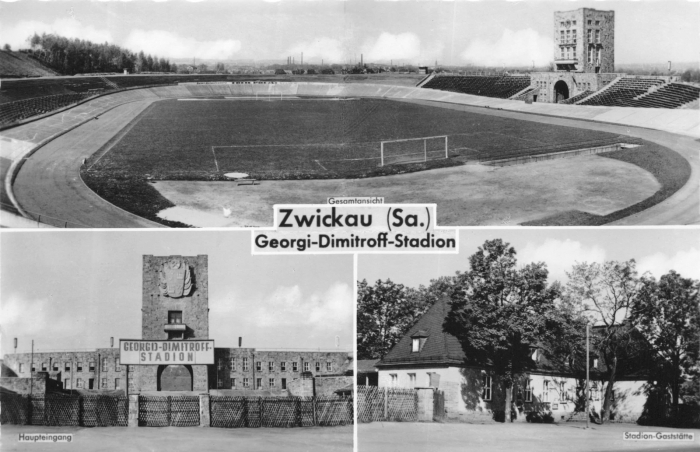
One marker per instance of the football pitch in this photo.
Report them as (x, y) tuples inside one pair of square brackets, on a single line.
[(317, 138)]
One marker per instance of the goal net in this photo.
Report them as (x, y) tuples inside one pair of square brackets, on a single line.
[(412, 150)]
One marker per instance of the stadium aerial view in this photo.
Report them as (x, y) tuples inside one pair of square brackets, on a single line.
[(542, 126)]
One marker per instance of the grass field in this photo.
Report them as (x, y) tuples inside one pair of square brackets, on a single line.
[(314, 139)]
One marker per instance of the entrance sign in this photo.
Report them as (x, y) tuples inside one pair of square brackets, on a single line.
[(133, 351)]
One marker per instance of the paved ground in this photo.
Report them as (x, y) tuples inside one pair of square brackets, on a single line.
[(185, 439), (569, 437), (49, 184)]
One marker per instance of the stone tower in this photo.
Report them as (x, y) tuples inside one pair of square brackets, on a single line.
[(175, 306), (584, 41)]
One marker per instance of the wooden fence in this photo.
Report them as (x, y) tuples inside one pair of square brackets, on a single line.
[(386, 404)]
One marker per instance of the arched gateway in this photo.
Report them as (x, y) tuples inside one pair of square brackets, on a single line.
[(175, 378), (561, 91)]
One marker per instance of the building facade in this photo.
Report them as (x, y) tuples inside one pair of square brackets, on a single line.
[(428, 357), (175, 306)]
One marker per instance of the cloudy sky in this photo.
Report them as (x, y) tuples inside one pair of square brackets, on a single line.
[(452, 32), (71, 290), (655, 250)]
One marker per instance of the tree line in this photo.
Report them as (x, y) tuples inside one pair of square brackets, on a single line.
[(500, 311), (79, 56)]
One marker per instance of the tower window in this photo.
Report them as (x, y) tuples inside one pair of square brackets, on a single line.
[(258, 366), (295, 367), (174, 317), (283, 366), (486, 383), (271, 366), (245, 364), (318, 366), (92, 366)]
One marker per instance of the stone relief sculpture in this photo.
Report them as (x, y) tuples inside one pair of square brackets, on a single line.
[(175, 279)]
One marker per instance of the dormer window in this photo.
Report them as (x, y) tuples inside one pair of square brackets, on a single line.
[(418, 340)]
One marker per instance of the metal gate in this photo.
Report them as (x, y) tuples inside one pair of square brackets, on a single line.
[(157, 411), (438, 405)]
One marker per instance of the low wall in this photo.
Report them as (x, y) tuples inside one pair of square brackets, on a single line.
[(553, 156), (18, 385), (326, 386)]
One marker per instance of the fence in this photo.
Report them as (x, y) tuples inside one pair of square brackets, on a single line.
[(386, 404), (175, 411), (62, 410), (238, 412)]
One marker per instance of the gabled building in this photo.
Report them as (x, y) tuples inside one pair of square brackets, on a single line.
[(427, 356)]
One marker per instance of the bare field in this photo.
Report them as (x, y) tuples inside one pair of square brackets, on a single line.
[(466, 195)]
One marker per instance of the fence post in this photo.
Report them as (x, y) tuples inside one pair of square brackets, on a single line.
[(204, 413), (300, 420), (134, 410), (261, 404), (313, 410), (386, 404)]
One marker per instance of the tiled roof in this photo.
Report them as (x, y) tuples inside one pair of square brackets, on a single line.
[(366, 365), (439, 347)]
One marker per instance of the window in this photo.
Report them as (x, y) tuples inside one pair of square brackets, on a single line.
[(219, 383), (66, 367), (104, 364), (92, 366), (329, 366), (79, 383), (562, 52), (245, 364), (412, 380), (394, 380), (283, 366), (318, 366), (43, 367), (306, 367), (233, 382), (545, 391), (295, 366), (65, 383), (174, 317), (220, 364), (416, 345), (116, 383), (574, 24), (258, 366), (590, 22), (271, 366), (55, 366), (562, 391), (528, 390), (104, 383), (117, 365), (597, 22), (284, 383), (246, 382), (271, 382), (595, 363), (589, 35), (233, 363), (258, 383), (597, 36), (486, 383), (573, 33), (561, 37), (574, 53), (590, 55)]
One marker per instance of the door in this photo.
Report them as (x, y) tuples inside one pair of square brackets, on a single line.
[(438, 405), (176, 378), (91, 383)]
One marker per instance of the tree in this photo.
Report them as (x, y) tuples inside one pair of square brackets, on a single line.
[(666, 313), (386, 311), (499, 312), (7, 48), (605, 294)]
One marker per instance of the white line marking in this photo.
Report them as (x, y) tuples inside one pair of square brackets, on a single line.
[(319, 164)]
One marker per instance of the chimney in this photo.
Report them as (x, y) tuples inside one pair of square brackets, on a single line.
[(240, 341)]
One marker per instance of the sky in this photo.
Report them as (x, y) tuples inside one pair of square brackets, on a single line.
[(489, 32), (656, 251), (75, 290)]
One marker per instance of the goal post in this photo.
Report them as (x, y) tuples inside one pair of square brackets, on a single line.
[(413, 150)]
